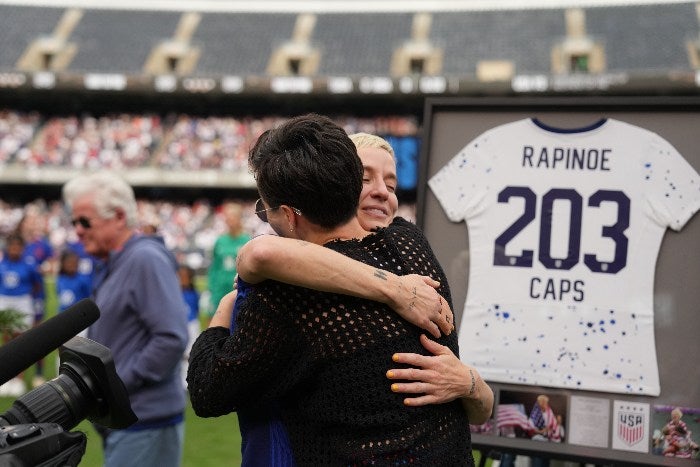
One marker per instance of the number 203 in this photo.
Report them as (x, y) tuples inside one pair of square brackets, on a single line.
[(614, 232)]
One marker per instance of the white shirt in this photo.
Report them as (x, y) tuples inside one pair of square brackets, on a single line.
[(564, 230)]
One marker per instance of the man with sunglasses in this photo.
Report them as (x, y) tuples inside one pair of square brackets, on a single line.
[(322, 358), (143, 318)]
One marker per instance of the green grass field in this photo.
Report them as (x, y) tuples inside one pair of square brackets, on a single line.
[(209, 442)]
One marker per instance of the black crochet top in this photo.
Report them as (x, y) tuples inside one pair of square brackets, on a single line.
[(322, 359)]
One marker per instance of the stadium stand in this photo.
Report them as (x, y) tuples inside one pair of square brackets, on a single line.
[(107, 44), (86, 142), (172, 94), (210, 142), (636, 38), (16, 133), (240, 44), (355, 44), (523, 37), (19, 26), (182, 142), (179, 142), (646, 38)]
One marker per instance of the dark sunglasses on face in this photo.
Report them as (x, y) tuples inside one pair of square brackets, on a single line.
[(261, 211), (83, 221)]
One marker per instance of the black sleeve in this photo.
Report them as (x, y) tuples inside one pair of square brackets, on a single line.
[(255, 364)]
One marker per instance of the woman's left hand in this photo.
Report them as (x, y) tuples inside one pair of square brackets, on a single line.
[(439, 378)]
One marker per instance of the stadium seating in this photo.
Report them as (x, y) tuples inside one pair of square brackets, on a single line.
[(20, 25), (359, 44), (119, 40), (652, 38), (240, 44)]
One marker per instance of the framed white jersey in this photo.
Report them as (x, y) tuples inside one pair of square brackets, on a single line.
[(565, 228)]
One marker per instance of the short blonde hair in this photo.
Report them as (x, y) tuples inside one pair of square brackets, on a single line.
[(366, 140)]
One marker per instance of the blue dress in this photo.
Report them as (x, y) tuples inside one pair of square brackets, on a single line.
[(191, 297), (264, 440)]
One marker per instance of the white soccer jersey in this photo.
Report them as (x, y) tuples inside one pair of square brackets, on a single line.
[(564, 230)]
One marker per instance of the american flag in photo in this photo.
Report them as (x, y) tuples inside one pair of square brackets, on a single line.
[(546, 419), (512, 415)]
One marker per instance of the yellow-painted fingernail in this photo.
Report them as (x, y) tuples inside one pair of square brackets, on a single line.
[(406, 402), (395, 357), (389, 374), (394, 387)]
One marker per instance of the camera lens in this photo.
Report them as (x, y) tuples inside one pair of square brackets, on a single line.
[(60, 401), (87, 387)]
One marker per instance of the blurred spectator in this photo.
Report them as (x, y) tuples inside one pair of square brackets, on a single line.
[(189, 230), (177, 142), (211, 142), (19, 280), (108, 142), (71, 285), (16, 133), (191, 296), (222, 269), (38, 251)]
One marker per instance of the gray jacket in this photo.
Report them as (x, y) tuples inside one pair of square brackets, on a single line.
[(143, 322)]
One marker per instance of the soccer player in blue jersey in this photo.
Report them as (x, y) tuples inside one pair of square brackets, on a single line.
[(19, 281)]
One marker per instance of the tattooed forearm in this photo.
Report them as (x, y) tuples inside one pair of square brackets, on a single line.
[(380, 274)]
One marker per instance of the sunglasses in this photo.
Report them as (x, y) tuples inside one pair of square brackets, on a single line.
[(83, 221), (261, 210)]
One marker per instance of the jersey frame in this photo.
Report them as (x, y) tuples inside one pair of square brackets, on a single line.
[(450, 123)]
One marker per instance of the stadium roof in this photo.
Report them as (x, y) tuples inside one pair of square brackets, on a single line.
[(328, 6)]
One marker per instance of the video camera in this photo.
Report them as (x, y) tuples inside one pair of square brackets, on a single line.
[(35, 430)]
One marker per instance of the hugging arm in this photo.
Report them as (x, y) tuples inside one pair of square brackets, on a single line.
[(305, 264), (247, 368), (442, 378)]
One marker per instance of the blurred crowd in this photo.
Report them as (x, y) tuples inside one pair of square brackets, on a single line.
[(170, 142), (167, 142), (189, 230)]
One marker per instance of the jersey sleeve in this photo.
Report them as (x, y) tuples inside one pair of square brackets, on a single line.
[(461, 184), (675, 193)]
